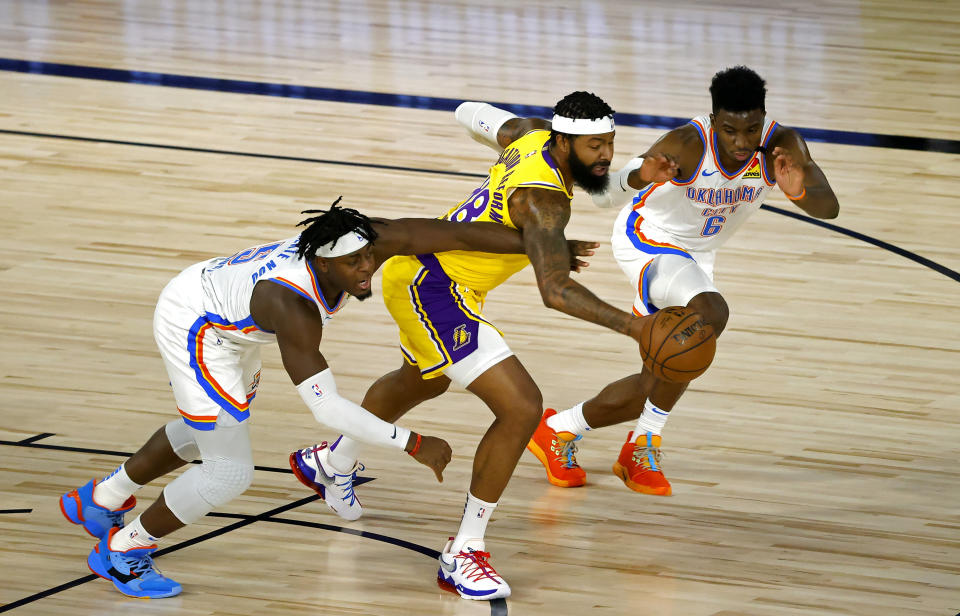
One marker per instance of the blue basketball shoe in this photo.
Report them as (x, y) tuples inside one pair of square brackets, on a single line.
[(132, 572), (79, 507), (312, 467)]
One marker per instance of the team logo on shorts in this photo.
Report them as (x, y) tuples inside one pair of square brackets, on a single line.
[(461, 337), (316, 390)]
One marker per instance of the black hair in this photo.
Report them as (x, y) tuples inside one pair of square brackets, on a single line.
[(330, 225), (738, 89), (581, 105)]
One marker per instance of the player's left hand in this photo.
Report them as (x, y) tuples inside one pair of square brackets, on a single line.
[(580, 248), (786, 171)]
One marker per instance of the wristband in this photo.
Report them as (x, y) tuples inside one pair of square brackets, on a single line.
[(416, 446), (803, 193)]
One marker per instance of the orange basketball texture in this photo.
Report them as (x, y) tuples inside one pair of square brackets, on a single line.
[(677, 344)]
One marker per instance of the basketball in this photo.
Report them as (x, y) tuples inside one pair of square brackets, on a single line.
[(677, 345)]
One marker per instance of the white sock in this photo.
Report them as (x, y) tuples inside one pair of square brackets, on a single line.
[(344, 453), (476, 514), (570, 420), (114, 490), (133, 535), (651, 420)]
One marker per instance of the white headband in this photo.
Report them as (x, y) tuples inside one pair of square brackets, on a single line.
[(351, 241), (598, 126)]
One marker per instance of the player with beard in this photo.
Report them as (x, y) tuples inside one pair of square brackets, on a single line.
[(210, 323), (437, 300)]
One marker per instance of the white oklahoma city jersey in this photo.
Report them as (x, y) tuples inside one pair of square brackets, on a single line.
[(228, 286), (698, 213)]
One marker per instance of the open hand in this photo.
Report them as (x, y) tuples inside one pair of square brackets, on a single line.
[(658, 167), (786, 171)]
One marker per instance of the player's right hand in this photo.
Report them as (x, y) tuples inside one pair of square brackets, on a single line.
[(658, 167), (435, 453), (637, 326)]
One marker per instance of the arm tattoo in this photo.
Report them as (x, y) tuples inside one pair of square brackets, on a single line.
[(546, 246)]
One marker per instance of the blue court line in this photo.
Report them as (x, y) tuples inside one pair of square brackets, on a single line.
[(436, 103)]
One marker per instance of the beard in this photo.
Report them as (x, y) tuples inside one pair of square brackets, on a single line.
[(364, 296), (584, 177)]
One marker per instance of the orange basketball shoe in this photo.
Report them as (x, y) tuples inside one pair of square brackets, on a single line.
[(557, 454), (639, 465)]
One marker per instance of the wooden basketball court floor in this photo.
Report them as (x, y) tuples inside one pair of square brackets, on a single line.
[(814, 466)]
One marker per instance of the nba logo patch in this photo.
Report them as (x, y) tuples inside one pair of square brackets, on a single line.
[(753, 173), (316, 390)]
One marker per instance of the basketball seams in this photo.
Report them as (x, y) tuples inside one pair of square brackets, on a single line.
[(655, 357), (689, 349)]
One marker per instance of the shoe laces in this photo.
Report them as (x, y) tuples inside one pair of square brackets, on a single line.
[(347, 478), (140, 566), (477, 566), (115, 517), (566, 450), (347, 485), (647, 456)]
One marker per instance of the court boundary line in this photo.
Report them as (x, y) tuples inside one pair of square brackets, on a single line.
[(912, 256), (498, 607)]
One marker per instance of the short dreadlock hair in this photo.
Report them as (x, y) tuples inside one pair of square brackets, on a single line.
[(329, 226), (738, 89), (581, 105)]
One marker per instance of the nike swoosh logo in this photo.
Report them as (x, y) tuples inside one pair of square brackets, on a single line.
[(706, 175), (123, 577), (394, 432), (448, 568)]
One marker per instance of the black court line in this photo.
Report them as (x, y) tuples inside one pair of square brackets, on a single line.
[(283, 90), (183, 148), (216, 533), (795, 215), (35, 438), (46, 593), (29, 443), (946, 271), (498, 607)]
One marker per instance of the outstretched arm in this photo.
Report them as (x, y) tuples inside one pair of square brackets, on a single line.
[(414, 236), (801, 179), (495, 127), (543, 214), (665, 160)]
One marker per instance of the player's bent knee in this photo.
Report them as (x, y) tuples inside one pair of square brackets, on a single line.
[(713, 308), (224, 480), (203, 488)]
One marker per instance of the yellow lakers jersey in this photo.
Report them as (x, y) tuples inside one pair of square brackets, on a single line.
[(525, 163)]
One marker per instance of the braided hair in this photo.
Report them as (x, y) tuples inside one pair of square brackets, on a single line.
[(581, 105), (737, 89), (329, 225)]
